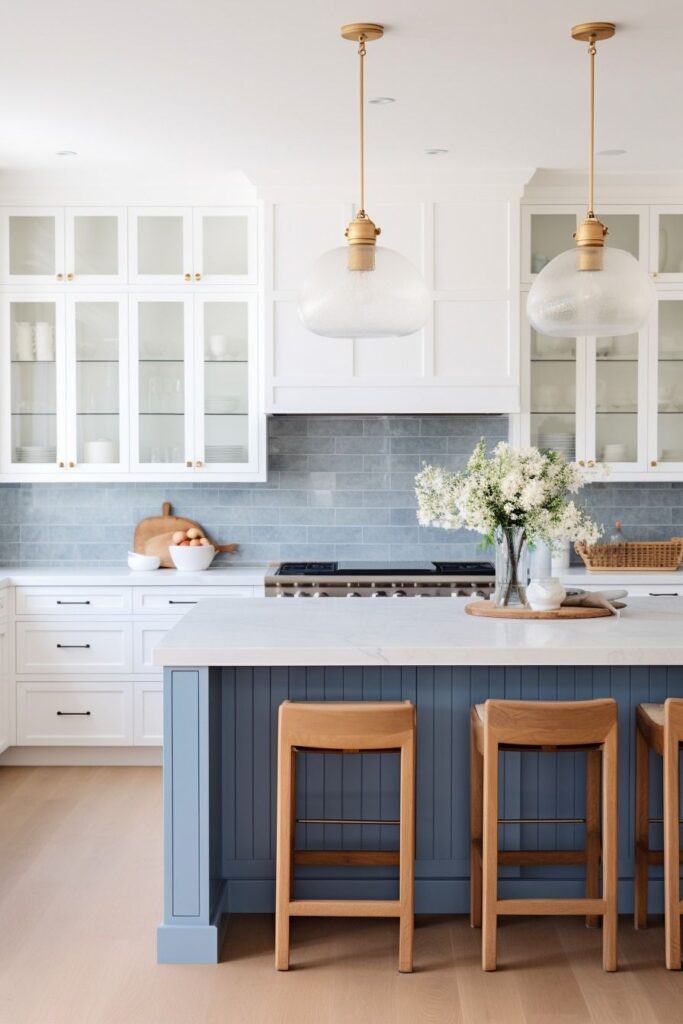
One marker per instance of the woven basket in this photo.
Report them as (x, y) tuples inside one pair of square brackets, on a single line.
[(639, 556)]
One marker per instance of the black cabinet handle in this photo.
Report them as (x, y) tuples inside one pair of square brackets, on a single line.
[(73, 713), (183, 602), (73, 602), (69, 646), (673, 594)]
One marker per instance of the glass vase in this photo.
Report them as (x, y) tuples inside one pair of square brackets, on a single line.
[(512, 568)]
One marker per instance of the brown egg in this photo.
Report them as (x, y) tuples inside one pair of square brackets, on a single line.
[(194, 533), (204, 541), (178, 537), (195, 542), (185, 543)]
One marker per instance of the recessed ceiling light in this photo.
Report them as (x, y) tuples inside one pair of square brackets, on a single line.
[(66, 152), (380, 100), (436, 152), (611, 152)]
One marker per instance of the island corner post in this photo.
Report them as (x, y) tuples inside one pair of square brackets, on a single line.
[(220, 727)]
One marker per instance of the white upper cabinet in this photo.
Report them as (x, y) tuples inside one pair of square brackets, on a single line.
[(56, 245), (465, 359), (178, 245)]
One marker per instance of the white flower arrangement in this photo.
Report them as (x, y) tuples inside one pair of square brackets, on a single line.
[(512, 489)]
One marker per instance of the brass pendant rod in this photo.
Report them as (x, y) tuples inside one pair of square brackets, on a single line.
[(361, 94), (591, 125)]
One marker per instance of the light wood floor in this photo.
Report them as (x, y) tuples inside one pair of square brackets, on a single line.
[(80, 898)]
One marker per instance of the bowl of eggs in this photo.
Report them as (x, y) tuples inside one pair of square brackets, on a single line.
[(191, 551)]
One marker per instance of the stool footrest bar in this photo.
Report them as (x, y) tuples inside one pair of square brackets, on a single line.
[(348, 821), (551, 907), (344, 908), (350, 858)]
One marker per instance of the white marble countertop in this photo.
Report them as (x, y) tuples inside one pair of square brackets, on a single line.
[(264, 631), (578, 575), (114, 576)]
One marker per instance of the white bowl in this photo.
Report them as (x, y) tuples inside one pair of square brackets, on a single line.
[(143, 563), (195, 559)]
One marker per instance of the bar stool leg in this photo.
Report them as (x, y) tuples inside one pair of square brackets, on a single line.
[(610, 864), (672, 907), (490, 854), (407, 857), (642, 837), (476, 812), (593, 766), (284, 857)]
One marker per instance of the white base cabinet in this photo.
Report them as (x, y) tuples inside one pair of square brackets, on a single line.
[(74, 714)]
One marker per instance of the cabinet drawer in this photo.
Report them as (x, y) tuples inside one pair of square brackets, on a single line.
[(74, 714), (73, 647), (73, 601), (176, 600), (148, 715), (656, 590), (146, 635)]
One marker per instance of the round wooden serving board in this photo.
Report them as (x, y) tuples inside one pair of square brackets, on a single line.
[(489, 611)]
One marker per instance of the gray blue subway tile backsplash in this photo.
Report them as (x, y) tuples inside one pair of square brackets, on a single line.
[(339, 487)]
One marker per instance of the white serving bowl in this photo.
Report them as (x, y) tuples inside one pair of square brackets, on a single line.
[(143, 563), (195, 559)]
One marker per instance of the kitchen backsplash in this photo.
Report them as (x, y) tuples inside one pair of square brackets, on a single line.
[(339, 487)]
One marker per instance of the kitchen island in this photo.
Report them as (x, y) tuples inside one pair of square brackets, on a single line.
[(229, 665)]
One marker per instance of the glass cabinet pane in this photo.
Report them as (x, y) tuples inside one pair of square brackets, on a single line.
[(161, 356), (32, 245), (96, 244), (623, 232), (670, 382), (670, 243), (160, 245), (226, 382), (225, 245), (616, 399), (553, 394), (33, 401), (551, 234), (97, 382)]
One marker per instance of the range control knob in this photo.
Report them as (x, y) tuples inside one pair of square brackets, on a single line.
[(399, 593), (320, 593), (353, 593), (283, 594), (379, 593), (302, 593)]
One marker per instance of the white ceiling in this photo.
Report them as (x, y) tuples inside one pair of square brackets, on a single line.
[(213, 87)]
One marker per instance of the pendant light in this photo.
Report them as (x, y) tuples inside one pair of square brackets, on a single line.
[(362, 290), (592, 289)]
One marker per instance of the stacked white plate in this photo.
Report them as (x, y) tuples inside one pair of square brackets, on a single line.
[(226, 453), (563, 443), (36, 453)]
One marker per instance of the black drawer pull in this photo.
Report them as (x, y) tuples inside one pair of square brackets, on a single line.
[(64, 713), (673, 594), (69, 646), (73, 602), (183, 602)]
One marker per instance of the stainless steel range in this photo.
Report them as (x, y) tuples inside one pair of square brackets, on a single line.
[(376, 579)]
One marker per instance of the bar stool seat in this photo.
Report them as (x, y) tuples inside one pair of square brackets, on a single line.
[(347, 727), (544, 726), (659, 727)]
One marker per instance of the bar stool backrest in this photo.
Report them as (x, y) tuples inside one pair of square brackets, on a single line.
[(550, 722)]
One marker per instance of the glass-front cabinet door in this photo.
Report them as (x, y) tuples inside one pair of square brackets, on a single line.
[(616, 401), (224, 250), (556, 421), (225, 385), (162, 386), (33, 245), (666, 243), (97, 378), (95, 245), (666, 385), (33, 385), (160, 245)]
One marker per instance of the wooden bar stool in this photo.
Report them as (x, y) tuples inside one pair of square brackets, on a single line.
[(350, 727), (659, 727), (521, 725)]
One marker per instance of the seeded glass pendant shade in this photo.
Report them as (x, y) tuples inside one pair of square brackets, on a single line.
[(592, 289), (363, 290)]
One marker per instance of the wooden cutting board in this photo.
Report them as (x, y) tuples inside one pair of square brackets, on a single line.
[(488, 610), (153, 535)]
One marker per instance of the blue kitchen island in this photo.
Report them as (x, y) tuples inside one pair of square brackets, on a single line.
[(228, 666)]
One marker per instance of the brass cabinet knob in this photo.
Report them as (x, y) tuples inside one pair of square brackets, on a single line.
[(653, 462), (60, 277), (72, 465), (581, 462), (188, 464), (591, 462), (198, 276), (69, 277), (653, 274), (61, 465), (188, 277), (199, 464)]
